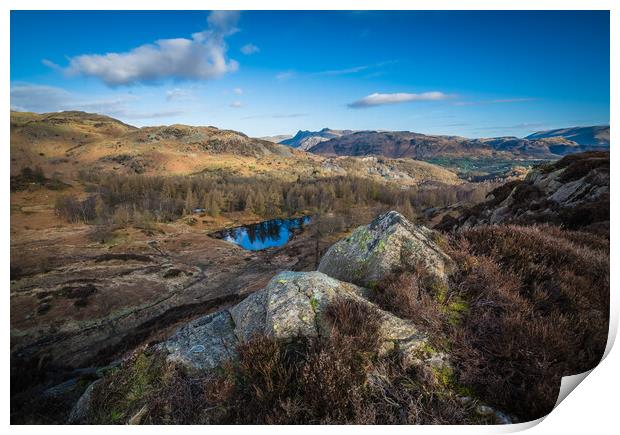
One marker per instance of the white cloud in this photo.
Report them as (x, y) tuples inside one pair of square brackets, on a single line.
[(238, 91), (202, 57), (236, 104), (378, 99), (248, 49)]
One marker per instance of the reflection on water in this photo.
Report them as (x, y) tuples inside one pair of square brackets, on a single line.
[(263, 235)]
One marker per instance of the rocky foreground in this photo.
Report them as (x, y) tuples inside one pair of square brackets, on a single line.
[(299, 305), (400, 324)]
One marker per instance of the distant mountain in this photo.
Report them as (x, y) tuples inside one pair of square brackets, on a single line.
[(399, 144), (304, 139), (593, 137)]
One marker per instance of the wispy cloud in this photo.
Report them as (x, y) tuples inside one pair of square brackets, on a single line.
[(356, 69), (338, 72), (201, 57), (285, 75), (378, 99), (238, 91), (236, 104), (40, 98), (128, 114), (523, 125), (177, 94), (248, 49), (277, 116), (497, 101)]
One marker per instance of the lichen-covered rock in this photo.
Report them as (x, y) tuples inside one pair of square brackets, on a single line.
[(292, 305), (388, 243), (204, 343), (249, 316)]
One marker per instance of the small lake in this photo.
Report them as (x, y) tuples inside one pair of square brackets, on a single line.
[(263, 235)]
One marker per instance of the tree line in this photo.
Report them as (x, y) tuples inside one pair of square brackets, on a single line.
[(142, 199)]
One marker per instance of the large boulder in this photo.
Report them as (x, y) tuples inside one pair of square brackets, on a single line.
[(388, 243), (292, 305)]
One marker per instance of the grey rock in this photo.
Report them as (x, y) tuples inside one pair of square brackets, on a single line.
[(501, 418), (389, 242), (204, 343), (249, 316), (291, 305), (80, 412), (485, 410)]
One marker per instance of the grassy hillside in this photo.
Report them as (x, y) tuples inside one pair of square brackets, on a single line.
[(65, 143)]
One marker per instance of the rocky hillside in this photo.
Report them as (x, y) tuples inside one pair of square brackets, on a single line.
[(304, 139), (406, 172), (572, 192), (398, 325), (65, 141), (398, 144)]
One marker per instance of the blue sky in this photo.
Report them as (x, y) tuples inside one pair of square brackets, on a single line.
[(469, 73)]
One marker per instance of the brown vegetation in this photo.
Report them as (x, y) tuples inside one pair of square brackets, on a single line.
[(336, 380), (528, 306)]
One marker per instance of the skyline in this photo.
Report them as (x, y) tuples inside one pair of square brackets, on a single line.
[(264, 73)]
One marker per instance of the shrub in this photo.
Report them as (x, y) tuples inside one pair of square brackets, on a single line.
[(538, 310), (527, 306)]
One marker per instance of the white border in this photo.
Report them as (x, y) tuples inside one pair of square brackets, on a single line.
[(592, 408)]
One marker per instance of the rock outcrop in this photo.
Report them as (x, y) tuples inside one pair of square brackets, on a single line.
[(388, 243), (572, 192), (292, 305)]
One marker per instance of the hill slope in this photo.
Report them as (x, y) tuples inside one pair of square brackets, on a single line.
[(67, 142), (572, 192)]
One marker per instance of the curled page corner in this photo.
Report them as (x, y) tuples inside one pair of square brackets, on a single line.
[(568, 384)]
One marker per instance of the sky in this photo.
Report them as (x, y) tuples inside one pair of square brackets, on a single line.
[(467, 73)]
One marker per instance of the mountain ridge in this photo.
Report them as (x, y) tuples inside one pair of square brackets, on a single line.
[(399, 144)]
